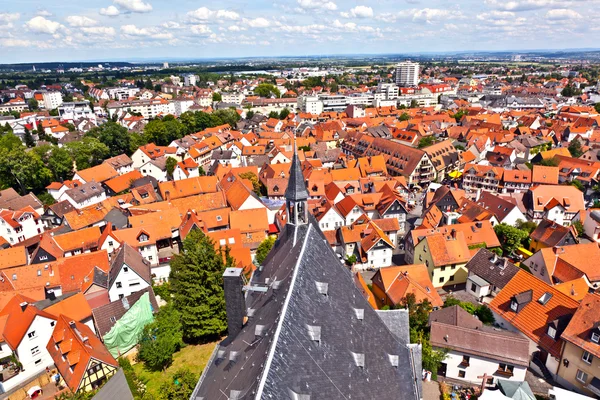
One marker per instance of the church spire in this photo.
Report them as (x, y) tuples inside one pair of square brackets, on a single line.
[(296, 195)]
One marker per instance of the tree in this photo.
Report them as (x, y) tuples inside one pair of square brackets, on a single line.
[(227, 116), (60, 163), (597, 107), (87, 152), (161, 339), (575, 148), (404, 117), (170, 165), (510, 237), (267, 90), (578, 225), (274, 114), (485, 315), (217, 97), (577, 184), (197, 286), (264, 248), (28, 137), (33, 104), (425, 142), (527, 226), (114, 136), (249, 114), (53, 113), (550, 162), (413, 104), (180, 386), (257, 186), (284, 114), (459, 114)]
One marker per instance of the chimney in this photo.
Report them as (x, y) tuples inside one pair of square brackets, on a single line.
[(23, 305), (453, 233), (51, 295), (72, 324), (235, 302)]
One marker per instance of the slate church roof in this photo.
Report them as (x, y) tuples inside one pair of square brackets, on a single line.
[(312, 334)]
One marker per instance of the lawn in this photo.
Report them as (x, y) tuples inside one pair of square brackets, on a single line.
[(193, 358)]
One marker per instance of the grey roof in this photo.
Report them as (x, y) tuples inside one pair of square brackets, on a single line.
[(43, 304), (493, 269), (381, 131), (456, 316), (122, 160), (12, 202), (397, 323), (85, 191), (115, 388), (504, 346), (117, 218), (312, 333), (296, 189), (107, 315), (61, 208), (128, 256)]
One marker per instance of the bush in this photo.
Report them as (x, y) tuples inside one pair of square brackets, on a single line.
[(161, 339), (485, 315), (180, 386)]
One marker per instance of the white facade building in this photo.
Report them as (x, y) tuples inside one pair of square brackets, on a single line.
[(310, 104), (52, 100), (407, 74)]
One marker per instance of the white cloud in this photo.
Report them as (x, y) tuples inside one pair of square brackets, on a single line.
[(171, 25), (44, 13), (136, 6), (235, 28), (359, 12), (149, 33), (7, 18), (427, 15), (349, 26), (15, 43), (200, 30), (561, 14), (317, 5), (80, 20), (42, 25), (99, 30), (257, 23), (204, 14), (110, 11), (519, 5)]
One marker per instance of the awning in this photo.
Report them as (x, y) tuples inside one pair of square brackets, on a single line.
[(594, 386), (33, 390), (455, 174)]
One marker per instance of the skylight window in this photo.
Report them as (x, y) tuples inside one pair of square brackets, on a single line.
[(322, 287), (545, 298), (359, 359), (314, 333)]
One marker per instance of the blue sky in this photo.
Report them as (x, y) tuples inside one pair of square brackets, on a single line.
[(59, 30)]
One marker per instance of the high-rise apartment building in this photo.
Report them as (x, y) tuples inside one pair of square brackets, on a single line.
[(407, 74)]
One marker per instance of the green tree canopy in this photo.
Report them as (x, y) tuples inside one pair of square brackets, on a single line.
[(267, 90), (161, 339), (425, 142), (170, 165), (217, 97), (87, 152), (575, 148), (114, 136), (510, 237), (197, 286), (180, 386), (264, 248)]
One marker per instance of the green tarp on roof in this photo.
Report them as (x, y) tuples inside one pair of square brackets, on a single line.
[(126, 332), (516, 390)]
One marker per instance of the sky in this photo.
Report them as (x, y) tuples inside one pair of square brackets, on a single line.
[(122, 30)]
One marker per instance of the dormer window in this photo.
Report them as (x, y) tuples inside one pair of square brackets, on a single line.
[(551, 332), (514, 306), (595, 337)]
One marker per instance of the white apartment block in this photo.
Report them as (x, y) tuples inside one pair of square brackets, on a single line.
[(75, 110), (148, 108), (190, 80), (407, 74), (310, 105), (52, 100), (235, 98)]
